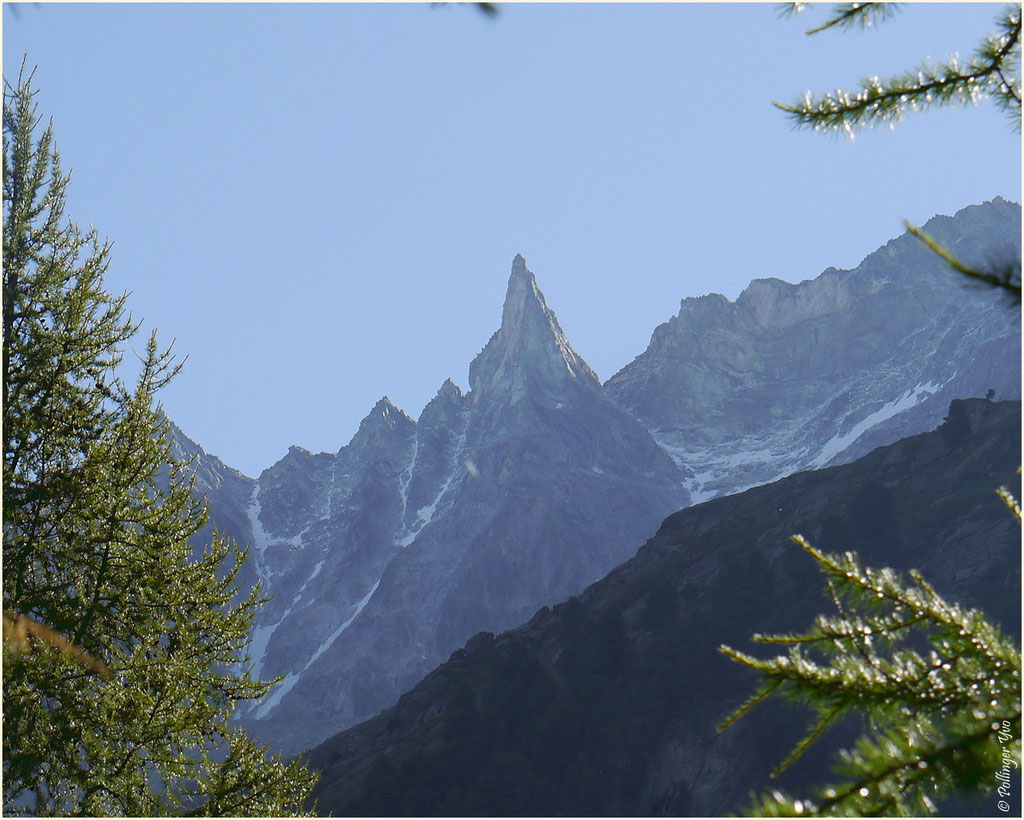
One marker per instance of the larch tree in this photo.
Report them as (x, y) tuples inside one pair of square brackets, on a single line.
[(124, 643), (938, 687)]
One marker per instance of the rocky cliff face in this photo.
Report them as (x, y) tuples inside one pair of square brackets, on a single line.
[(608, 703), (791, 377), (386, 556)]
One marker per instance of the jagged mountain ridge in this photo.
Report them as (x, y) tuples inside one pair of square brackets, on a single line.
[(384, 557), (608, 703), (792, 377)]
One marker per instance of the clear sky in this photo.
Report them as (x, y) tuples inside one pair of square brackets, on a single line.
[(321, 202)]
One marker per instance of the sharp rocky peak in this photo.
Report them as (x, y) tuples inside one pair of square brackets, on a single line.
[(442, 409), (528, 348), (384, 420), (385, 412), (450, 390)]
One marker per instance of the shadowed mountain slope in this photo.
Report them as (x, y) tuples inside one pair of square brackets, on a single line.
[(607, 704)]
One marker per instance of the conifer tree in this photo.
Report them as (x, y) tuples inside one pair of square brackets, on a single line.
[(99, 573), (941, 721)]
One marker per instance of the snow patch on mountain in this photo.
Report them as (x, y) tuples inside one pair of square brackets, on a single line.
[(736, 466), (258, 651), (841, 441), (260, 537), (425, 514), (261, 540), (334, 635), (279, 691), (261, 634), (292, 678), (406, 477), (712, 473)]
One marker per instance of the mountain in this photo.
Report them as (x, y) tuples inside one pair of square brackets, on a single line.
[(607, 704), (794, 377), (226, 491), (384, 557)]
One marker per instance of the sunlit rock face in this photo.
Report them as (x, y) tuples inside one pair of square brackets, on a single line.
[(793, 377), (383, 558), (529, 356), (386, 556)]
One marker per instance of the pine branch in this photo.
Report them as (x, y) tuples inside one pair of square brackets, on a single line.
[(1007, 279), (857, 15), (754, 699), (929, 716), (948, 84), (823, 723), (1010, 502)]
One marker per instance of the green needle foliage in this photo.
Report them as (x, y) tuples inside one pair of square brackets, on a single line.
[(993, 72), (939, 721), (126, 651)]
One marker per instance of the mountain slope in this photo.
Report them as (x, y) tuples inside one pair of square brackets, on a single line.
[(792, 377), (227, 493), (607, 704)]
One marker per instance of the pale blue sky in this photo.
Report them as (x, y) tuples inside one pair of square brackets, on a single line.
[(321, 202)]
